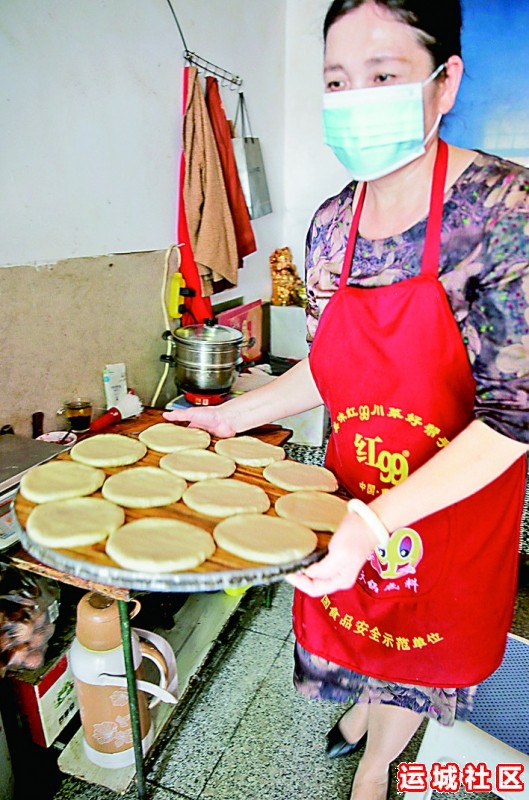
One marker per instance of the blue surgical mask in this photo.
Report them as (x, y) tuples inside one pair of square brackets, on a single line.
[(375, 131)]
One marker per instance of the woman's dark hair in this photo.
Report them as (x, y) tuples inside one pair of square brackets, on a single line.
[(438, 24)]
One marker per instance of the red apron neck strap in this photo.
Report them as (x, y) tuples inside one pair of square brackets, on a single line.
[(432, 242), (351, 240), (432, 239)]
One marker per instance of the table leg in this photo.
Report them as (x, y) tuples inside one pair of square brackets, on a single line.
[(268, 596), (133, 698)]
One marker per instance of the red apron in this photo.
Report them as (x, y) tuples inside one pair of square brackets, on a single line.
[(435, 605)]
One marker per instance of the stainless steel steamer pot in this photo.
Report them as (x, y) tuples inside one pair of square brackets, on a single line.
[(207, 357)]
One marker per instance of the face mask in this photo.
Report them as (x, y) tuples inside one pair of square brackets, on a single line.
[(377, 130)]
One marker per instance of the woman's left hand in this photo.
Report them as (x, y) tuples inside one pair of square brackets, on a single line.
[(349, 548)]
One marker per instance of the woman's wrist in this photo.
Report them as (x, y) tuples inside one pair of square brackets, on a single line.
[(373, 522)]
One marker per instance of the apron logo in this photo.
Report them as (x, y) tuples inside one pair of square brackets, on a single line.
[(401, 555), (393, 467)]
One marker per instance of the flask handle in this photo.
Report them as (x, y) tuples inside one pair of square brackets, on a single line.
[(157, 650), (159, 693)]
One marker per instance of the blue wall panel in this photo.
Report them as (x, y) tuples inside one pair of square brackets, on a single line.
[(492, 109)]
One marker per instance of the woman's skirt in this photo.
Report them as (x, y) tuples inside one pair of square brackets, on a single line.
[(317, 678)]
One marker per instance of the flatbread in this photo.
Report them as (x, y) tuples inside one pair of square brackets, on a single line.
[(143, 487), (59, 480), (319, 511), (293, 476), (269, 540), (160, 544), (108, 450), (222, 497), (198, 465), (249, 451), (166, 437), (77, 522)]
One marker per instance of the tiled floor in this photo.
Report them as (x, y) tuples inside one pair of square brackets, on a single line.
[(243, 733)]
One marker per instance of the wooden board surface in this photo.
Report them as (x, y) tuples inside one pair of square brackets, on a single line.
[(93, 563)]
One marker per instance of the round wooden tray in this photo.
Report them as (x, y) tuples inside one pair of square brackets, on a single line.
[(221, 571)]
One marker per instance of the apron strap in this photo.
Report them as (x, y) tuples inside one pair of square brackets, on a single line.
[(432, 239), (351, 241), (432, 242)]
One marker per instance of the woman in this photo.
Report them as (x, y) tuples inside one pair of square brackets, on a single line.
[(422, 358)]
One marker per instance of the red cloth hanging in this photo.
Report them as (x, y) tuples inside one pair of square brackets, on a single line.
[(199, 307), (221, 130)]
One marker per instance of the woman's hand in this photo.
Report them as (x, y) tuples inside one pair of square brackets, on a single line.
[(208, 418), (290, 393), (349, 548)]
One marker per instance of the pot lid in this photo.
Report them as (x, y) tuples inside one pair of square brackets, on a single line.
[(213, 334)]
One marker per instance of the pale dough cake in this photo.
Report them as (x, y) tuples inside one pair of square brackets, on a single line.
[(198, 465), (108, 450), (249, 451), (166, 437), (266, 539), (159, 544), (59, 480), (293, 476), (222, 497), (78, 522), (143, 487), (319, 511)]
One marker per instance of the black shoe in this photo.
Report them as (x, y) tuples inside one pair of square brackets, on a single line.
[(337, 746)]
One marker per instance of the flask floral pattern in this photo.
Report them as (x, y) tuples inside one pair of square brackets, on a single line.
[(117, 731), (484, 270)]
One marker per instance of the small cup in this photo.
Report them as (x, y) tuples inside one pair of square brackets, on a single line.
[(78, 413)]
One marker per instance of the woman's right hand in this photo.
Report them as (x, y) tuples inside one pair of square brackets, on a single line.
[(290, 393), (208, 418)]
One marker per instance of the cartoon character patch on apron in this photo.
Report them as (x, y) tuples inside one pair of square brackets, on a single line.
[(434, 606)]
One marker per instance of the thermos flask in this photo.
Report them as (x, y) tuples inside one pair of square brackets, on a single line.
[(98, 667)]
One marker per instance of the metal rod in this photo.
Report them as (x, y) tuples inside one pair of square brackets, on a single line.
[(208, 66), (133, 698)]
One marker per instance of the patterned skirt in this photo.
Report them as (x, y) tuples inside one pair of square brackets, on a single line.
[(319, 679)]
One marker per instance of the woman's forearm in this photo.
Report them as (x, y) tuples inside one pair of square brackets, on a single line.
[(473, 459), (290, 393)]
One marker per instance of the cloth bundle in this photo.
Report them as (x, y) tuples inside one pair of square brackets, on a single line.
[(218, 224)]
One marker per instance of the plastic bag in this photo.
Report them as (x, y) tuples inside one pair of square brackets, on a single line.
[(29, 606)]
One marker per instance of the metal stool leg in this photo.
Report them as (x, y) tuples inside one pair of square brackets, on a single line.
[(133, 698)]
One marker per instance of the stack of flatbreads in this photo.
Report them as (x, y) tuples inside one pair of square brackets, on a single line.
[(66, 515)]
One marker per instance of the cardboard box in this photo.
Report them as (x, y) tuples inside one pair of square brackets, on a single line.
[(288, 332), (49, 704), (309, 427), (248, 319)]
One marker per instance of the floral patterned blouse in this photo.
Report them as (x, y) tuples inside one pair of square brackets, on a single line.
[(484, 270)]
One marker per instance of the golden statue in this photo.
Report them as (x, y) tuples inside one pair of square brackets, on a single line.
[(287, 287)]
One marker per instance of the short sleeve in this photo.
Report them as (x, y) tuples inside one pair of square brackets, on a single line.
[(498, 320), (324, 254)]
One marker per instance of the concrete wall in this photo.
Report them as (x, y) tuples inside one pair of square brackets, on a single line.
[(61, 325), (90, 140), (91, 101)]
